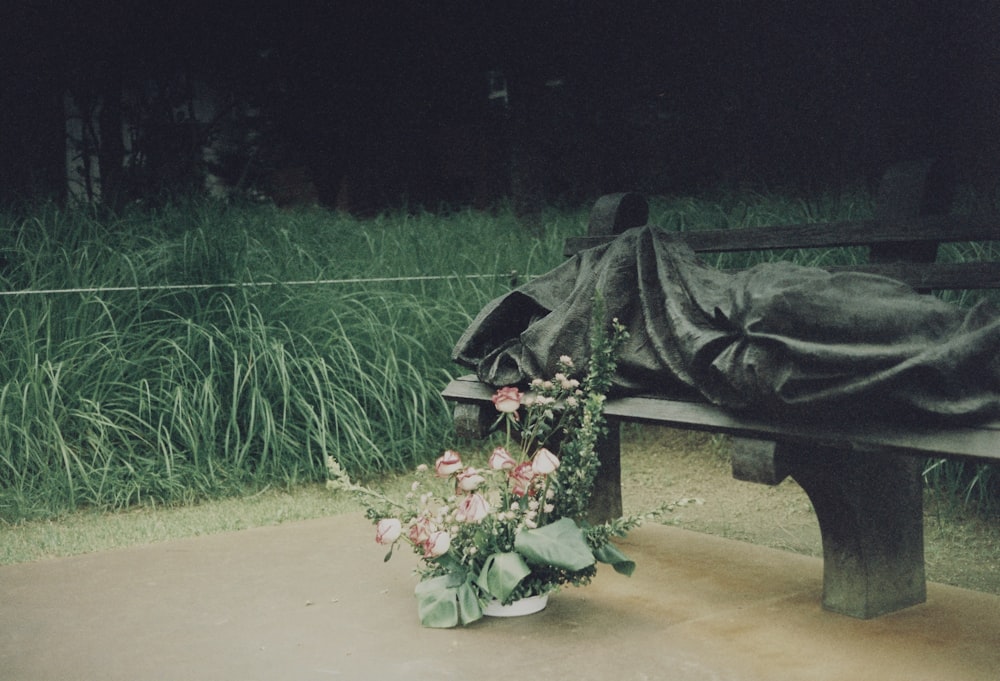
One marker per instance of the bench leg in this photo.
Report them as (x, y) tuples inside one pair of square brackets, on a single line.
[(606, 500), (870, 511), (471, 421)]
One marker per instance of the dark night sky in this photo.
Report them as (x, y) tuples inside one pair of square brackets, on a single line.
[(740, 90)]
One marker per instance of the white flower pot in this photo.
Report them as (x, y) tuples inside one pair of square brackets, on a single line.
[(524, 606)]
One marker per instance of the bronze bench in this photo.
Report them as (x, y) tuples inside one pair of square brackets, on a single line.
[(863, 479)]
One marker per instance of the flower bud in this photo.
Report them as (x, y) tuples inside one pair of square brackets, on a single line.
[(501, 459), (507, 400), (388, 530), (420, 530), (469, 479), (437, 544), (474, 508), (448, 463), (544, 462), (521, 477)]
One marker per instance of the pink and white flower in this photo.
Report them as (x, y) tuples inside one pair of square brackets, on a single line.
[(544, 462), (388, 530), (469, 479), (448, 463), (507, 400), (437, 544), (420, 529), (501, 460), (521, 477), (473, 509)]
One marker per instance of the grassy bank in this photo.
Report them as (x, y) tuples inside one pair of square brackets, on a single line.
[(142, 376)]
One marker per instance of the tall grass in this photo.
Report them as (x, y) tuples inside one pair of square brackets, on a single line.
[(116, 397), (135, 383)]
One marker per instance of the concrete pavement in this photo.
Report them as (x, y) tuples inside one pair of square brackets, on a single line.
[(313, 600)]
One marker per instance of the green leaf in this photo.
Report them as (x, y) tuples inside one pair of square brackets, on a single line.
[(501, 574), (437, 605), (469, 609), (609, 553), (449, 563), (446, 600), (560, 544)]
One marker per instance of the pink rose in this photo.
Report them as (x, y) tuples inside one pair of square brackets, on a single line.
[(469, 479), (420, 530), (544, 462), (507, 400), (473, 508), (501, 459), (388, 530), (448, 463), (437, 544), (521, 477)]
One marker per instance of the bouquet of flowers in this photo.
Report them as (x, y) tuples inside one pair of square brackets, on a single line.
[(509, 523)]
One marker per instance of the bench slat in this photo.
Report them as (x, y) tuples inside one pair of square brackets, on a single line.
[(977, 442), (939, 228), (937, 276), (980, 442)]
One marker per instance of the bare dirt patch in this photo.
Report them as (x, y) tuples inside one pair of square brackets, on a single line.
[(659, 464)]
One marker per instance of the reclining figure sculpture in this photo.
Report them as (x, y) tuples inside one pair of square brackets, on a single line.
[(779, 340)]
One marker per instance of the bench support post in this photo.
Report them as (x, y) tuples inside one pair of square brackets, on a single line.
[(870, 510), (757, 461), (606, 500), (472, 421)]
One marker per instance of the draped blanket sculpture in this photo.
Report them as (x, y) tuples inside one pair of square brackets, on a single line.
[(778, 339)]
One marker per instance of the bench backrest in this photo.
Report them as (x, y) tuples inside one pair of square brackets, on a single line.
[(903, 238)]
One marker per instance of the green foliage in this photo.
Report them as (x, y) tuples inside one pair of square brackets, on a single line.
[(502, 573), (131, 389), (965, 483), (561, 543), (447, 600)]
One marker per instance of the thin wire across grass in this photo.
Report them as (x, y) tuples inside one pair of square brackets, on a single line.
[(128, 397)]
